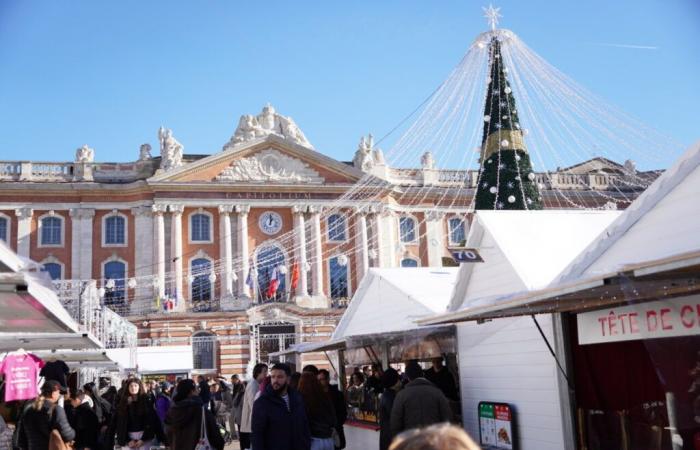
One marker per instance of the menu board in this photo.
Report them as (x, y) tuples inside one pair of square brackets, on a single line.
[(496, 425)]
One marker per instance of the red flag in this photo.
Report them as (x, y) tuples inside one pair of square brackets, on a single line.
[(295, 275), (274, 283)]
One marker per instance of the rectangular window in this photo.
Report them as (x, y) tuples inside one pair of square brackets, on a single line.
[(457, 234), (339, 279), (407, 229), (336, 228), (200, 228), (51, 231), (3, 229), (115, 230)]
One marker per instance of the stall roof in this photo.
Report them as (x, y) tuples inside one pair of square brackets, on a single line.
[(80, 358), (670, 277), (523, 250), (662, 222), (390, 300), (309, 347), (159, 359)]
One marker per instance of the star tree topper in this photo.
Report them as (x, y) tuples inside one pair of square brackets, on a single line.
[(492, 14)]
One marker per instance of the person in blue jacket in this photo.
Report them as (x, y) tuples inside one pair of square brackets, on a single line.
[(279, 419)]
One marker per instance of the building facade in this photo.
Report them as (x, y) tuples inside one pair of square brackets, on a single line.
[(249, 249)]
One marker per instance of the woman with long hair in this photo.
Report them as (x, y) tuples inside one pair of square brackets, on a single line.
[(319, 411), (135, 422), (42, 417), (184, 419)]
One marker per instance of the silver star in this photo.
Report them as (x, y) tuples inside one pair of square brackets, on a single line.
[(510, 185), (492, 15), (499, 205), (501, 166)]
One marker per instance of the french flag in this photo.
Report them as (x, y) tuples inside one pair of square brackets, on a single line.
[(274, 283)]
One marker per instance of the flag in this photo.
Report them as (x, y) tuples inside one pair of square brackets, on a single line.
[(249, 279), (273, 284), (295, 276)]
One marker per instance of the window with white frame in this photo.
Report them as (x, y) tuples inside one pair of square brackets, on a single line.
[(51, 230), (407, 229), (409, 262), (200, 269), (200, 227), (457, 230), (337, 228), (204, 350), (115, 282), (115, 230), (54, 270), (339, 278), (4, 229)]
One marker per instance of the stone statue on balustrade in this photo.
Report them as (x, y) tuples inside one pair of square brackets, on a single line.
[(366, 156), (266, 123), (145, 152), (85, 154), (170, 150), (427, 161)]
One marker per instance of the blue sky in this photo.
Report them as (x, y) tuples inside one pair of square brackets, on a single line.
[(110, 73)]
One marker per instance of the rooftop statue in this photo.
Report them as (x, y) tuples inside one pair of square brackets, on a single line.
[(266, 123)]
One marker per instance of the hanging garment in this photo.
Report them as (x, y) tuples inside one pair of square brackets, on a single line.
[(21, 371)]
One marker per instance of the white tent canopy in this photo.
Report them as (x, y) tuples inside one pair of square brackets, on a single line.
[(80, 358), (161, 359), (390, 300), (523, 250)]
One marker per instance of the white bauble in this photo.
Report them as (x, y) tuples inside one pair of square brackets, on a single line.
[(493, 190), (511, 199), (530, 176), (282, 269), (131, 283), (487, 118), (505, 143), (507, 90), (342, 260)]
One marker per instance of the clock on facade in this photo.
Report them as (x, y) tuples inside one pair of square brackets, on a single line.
[(270, 222)]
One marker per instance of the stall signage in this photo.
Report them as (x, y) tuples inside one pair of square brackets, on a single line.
[(659, 319), (466, 255), (496, 425)]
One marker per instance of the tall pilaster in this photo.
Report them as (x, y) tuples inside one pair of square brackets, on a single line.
[(81, 251), (226, 250), (176, 253), (300, 249), (243, 254), (391, 233), (143, 254), (362, 252), (316, 251), (435, 234), (159, 254), (24, 230), (378, 228)]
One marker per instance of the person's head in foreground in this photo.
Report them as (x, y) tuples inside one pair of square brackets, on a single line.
[(435, 437), (279, 378)]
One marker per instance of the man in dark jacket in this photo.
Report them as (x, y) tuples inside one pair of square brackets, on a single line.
[(84, 421), (338, 400), (204, 392), (279, 419), (184, 420), (42, 416), (419, 404), (441, 377)]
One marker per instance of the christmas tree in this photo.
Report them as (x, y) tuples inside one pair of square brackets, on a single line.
[(506, 178)]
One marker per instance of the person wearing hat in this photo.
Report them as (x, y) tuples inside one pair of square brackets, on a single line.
[(391, 384), (43, 416)]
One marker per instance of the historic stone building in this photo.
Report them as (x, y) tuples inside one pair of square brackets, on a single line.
[(188, 246)]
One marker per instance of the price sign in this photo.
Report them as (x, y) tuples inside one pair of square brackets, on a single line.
[(496, 425), (466, 255)]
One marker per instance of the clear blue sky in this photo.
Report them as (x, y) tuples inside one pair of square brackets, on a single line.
[(110, 73)]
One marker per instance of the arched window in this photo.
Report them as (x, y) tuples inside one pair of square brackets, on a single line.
[(407, 229), (204, 350), (115, 270), (200, 227), (115, 230), (4, 228), (51, 232), (409, 262), (201, 285), (339, 278), (268, 262), (457, 229), (53, 269), (337, 228)]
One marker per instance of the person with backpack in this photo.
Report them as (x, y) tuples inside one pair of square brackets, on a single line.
[(43, 417), (189, 422)]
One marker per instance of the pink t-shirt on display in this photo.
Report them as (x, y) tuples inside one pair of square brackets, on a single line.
[(21, 375)]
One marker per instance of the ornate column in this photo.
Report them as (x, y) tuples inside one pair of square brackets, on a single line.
[(378, 240), (300, 249), (159, 254), (24, 230), (242, 234), (81, 251), (317, 252), (143, 254), (176, 253), (389, 232), (362, 251), (226, 250), (435, 235)]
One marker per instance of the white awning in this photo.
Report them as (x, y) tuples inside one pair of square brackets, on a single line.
[(80, 358)]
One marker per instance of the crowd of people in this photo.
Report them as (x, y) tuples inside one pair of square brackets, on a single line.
[(275, 410)]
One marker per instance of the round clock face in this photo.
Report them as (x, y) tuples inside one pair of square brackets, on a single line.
[(270, 222)]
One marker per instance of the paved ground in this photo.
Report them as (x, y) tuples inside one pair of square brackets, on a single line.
[(233, 446)]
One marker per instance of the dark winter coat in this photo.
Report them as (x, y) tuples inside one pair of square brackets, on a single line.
[(444, 381), (136, 420), (84, 421), (386, 403), (184, 420), (36, 426), (204, 392), (341, 411), (276, 428), (322, 423), (418, 405)]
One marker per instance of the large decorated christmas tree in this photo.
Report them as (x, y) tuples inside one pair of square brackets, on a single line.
[(506, 179)]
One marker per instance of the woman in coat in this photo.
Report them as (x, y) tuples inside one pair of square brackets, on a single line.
[(184, 419), (319, 411), (391, 383), (135, 422), (42, 417)]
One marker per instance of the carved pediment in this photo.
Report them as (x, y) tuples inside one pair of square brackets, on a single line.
[(270, 166)]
